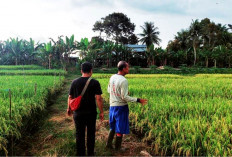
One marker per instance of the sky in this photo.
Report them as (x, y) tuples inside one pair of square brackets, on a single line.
[(44, 19)]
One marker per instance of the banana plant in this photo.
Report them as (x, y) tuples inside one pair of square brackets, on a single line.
[(218, 53), (16, 48), (206, 54), (70, 43), (60, 51), (83, 46), (162, 54), (46, 54), (229, 53), (107, 50), (32, 50), (94, 50), (126, 53)]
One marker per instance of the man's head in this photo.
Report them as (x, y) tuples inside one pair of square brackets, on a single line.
[(123, 67), (86, 67)]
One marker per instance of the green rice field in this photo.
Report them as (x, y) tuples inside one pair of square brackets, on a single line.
[(28, 93), (186, 115)]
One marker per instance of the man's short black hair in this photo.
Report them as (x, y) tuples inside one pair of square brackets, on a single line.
[(86, 67), (121, 65)]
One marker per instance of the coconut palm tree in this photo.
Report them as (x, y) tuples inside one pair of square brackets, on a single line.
[(149, 37), (150, 34), (194, 37)]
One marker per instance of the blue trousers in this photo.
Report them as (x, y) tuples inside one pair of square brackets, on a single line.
[(119, 119)]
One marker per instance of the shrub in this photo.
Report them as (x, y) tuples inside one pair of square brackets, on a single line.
[(137, 69)]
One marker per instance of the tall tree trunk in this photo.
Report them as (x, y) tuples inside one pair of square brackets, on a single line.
[(110, 61), (165, 61), (215, 63), (195, 53), (116, 51), (148, 61), (107, 63), (229, 62), (153, 60), (207, 62), (186, 57), (16, 61), (49, 61)]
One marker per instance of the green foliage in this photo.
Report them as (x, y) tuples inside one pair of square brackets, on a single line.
[(153, 67), (115, 25), (137, 69), (169, 70), (204, 43), (200, 44), (48, 47), (150, 34)]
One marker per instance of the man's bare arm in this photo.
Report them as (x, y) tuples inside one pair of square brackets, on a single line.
[(99, 100), (69, 112)]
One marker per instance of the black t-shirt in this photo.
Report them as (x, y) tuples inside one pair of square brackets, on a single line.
[(88, 103)]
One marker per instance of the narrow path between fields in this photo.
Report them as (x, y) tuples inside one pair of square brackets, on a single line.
[(56, 135)]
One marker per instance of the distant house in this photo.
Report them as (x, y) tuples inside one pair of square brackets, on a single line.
[(138, 55), (137, 48), (76, 54)]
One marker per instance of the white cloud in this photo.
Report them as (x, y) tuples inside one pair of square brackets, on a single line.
[(42, 19)]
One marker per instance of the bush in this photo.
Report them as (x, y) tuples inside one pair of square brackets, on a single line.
[(183, 66), (153, 67), (137, 69), (168, 70)]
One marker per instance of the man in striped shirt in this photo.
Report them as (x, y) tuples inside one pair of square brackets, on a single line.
[(119, 111)]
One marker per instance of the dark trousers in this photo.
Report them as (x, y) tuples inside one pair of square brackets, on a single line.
[(81, 123)]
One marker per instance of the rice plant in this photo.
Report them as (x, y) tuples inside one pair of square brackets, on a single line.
[(20, 67), (33, 72), (28, 93), (185, 115)]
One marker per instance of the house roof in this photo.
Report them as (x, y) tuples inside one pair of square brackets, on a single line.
[(75, 54), (137, 48)]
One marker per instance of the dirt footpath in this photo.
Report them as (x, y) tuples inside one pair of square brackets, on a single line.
[(56, 135)]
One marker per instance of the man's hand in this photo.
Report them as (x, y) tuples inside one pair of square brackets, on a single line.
[(143, 101), (69, 112), (101, 116)]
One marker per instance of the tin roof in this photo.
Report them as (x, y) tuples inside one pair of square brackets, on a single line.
[(137, 48)]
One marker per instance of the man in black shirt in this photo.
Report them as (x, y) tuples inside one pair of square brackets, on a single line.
[(86, 114)]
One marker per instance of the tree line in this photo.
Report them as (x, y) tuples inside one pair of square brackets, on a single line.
[(55, 53), (204, 43)]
